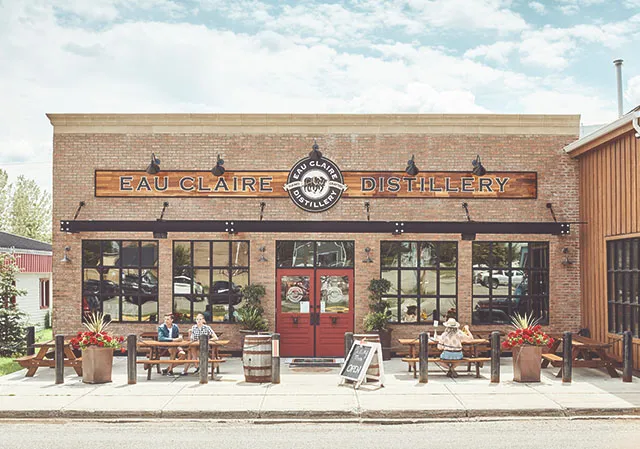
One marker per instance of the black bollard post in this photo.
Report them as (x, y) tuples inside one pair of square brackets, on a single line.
[(31, 340), (627, 356), (348, 342), (424, 357), (204, 358), (495, 357), (567, 357), (132, 375), (59, 355), (275, 358)]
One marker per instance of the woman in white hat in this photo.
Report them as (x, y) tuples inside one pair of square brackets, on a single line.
[(450, 341)]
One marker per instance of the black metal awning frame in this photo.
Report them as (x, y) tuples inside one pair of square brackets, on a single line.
[(343, 227)]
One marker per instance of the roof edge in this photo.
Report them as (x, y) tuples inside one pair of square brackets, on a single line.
[(611, 127)]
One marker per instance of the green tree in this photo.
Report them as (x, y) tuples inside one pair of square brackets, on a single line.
[(30, 211), (5, 200), (12, 336)]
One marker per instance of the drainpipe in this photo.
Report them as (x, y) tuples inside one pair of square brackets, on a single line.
[(618, 64)]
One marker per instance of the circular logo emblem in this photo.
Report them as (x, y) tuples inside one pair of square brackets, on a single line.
[(295, 294), (315, 186), (334, 294)]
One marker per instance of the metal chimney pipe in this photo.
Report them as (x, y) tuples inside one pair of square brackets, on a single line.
[(618, 63)]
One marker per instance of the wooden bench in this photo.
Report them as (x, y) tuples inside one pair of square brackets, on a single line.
[(29, 361), (451, 364), (555, 360), (149, 363)]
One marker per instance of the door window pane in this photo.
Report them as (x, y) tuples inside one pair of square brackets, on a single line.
[(389, 254), (409, 254), (294, 294), (334, 293)]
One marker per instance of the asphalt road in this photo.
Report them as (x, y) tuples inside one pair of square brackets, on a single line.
[(548, 434)]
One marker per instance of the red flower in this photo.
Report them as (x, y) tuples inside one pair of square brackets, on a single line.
[(122, 350), (101, 344)]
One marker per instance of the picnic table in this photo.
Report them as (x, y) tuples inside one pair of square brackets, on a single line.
[(582, 350), (35, 361), (470, 348), (154, 353)]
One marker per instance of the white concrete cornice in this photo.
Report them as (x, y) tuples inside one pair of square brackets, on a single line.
[(19, 251), (316, 123)]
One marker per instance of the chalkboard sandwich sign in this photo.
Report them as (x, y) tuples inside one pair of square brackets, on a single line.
[(357, 363)]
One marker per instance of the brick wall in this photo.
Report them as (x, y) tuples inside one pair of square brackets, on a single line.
[(77, 155)]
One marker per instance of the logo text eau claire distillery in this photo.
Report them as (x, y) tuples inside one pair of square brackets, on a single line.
[(390, 184)]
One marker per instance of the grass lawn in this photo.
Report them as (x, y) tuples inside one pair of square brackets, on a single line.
[(8, 366)]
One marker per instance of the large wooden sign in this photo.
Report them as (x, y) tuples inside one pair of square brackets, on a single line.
[(356, 184)]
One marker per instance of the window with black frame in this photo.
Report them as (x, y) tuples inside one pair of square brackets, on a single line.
[(120, 279), (509, 278), (310, 254), (623, 270), (424, 280), (208, 278)]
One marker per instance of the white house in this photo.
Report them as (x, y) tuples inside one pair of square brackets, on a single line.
[(34, 260)]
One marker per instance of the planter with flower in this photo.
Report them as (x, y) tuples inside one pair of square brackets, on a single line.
[(526, 342), (97, 350)]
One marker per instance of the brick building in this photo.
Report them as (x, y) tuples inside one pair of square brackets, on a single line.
[(315, 229)]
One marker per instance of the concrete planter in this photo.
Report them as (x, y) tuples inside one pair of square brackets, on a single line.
[(97, 364), (527, 362)]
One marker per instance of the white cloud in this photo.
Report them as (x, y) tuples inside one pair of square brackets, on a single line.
[(298, 60), (571, 7), (631, 4), (538, 7), (632, 93), (498, 52)]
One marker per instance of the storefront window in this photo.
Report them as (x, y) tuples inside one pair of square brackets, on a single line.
[(120, 280), (509, 278), (208, 278), (306, 254), (623, 273), (424, 280)]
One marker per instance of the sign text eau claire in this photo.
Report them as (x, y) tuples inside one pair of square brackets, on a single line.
[(271, 184)]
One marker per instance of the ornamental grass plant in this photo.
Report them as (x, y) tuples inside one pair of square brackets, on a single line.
[(96, 335), (526, 331)]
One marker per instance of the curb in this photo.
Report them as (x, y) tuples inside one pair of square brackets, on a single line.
[(327, 416)]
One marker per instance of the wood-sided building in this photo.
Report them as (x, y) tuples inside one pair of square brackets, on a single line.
[(610, 235)]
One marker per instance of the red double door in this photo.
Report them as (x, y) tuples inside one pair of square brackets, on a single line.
[(314, 308)]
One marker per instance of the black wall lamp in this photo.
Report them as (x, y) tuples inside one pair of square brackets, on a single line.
[(65, 257), (164, 208), (411, 167), (566, 260), (262, 258), (315, 154), (367, 251), (154, 166), (367, 209), (218, 170), (465, 206), (262, 206), (80, 206), (478, 168)]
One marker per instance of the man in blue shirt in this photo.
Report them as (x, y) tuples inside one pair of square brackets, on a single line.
[(170, 332)]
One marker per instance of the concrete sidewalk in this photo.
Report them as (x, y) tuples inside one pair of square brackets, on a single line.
[(315, 394)]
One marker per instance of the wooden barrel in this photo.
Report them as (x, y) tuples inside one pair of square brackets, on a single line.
[(374, 368), (256, 358)]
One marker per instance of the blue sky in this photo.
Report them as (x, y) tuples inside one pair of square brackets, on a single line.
[(358, 56)]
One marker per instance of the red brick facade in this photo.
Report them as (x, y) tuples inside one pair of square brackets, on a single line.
[(503, 146)]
